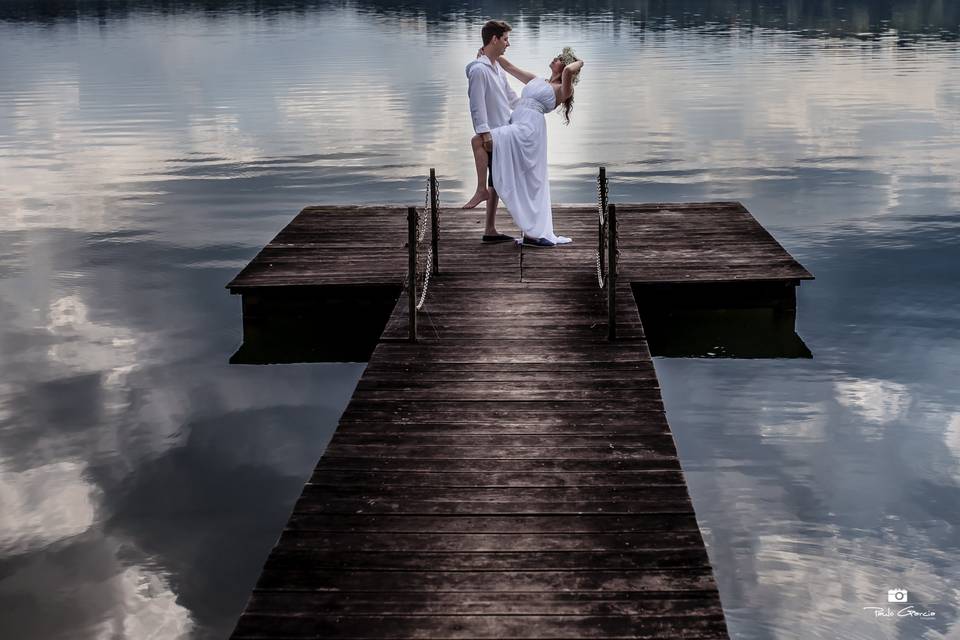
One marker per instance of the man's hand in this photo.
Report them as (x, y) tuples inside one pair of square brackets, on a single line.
[(487, 141)]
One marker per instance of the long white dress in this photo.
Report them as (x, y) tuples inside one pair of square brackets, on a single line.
[(520, 162)]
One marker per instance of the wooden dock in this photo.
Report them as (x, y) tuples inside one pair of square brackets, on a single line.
[(512, 473)]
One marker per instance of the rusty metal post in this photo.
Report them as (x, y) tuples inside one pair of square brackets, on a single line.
[(412, 269)]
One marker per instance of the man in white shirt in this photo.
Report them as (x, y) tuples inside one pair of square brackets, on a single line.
[(491, 103)]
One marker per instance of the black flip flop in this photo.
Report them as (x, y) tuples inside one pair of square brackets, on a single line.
[(500, 237), (539, 242)]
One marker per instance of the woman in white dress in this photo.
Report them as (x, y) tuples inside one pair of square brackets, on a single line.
[(519, 163)]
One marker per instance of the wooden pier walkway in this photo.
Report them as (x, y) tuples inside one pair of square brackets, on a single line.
[(512, 474)]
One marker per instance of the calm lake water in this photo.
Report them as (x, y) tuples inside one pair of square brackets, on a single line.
[(147, 152)]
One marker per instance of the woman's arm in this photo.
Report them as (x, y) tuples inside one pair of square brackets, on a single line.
[(516, 72), (566, 81)]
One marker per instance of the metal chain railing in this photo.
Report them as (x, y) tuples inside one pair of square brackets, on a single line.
[(608, 249), (603, 228), (422, 264), (431, 204), (603, 224), (602, 195), (422, 216)]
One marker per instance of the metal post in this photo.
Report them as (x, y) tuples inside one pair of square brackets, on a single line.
[(612, 272), (412, 268), (435, 221), (521, 261), (603, 207), (603, 182)]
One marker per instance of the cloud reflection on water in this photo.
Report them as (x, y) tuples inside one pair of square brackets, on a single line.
[(44, 504)]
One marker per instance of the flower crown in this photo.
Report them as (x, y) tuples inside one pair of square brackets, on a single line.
[(567, 56)]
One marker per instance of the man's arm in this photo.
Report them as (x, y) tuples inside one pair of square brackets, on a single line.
[(515, 71), (477, 91)]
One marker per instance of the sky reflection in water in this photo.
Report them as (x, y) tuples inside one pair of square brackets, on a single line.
[(145, 156)]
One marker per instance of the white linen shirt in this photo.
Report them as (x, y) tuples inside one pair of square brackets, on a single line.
[(491, 98)]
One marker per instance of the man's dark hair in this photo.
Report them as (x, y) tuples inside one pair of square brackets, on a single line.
[(494, 28)]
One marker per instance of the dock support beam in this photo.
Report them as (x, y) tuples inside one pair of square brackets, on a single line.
[(412, 270), (611, 271)]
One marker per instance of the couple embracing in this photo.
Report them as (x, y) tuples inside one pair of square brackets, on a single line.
[(511, 140)]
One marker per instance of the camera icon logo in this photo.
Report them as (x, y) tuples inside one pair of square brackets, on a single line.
[(896, 595)]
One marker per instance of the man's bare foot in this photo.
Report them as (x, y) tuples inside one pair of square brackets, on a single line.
[(477, 198)]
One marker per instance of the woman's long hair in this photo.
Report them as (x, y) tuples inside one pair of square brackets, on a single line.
[(567, 107), (567, 104)]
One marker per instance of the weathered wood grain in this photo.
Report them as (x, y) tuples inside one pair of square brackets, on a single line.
[(660, 242), (512, 474)]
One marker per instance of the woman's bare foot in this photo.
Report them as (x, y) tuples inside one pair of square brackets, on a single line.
[(480, 196)]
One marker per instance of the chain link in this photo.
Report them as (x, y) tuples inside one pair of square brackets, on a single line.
[(436, 190), (422, 221), (603, 242), (600, 280), (426, 279), (616, 237), (427, 269), (602, 229)]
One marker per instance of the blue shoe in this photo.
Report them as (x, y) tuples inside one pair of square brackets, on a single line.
[(539, 242)]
